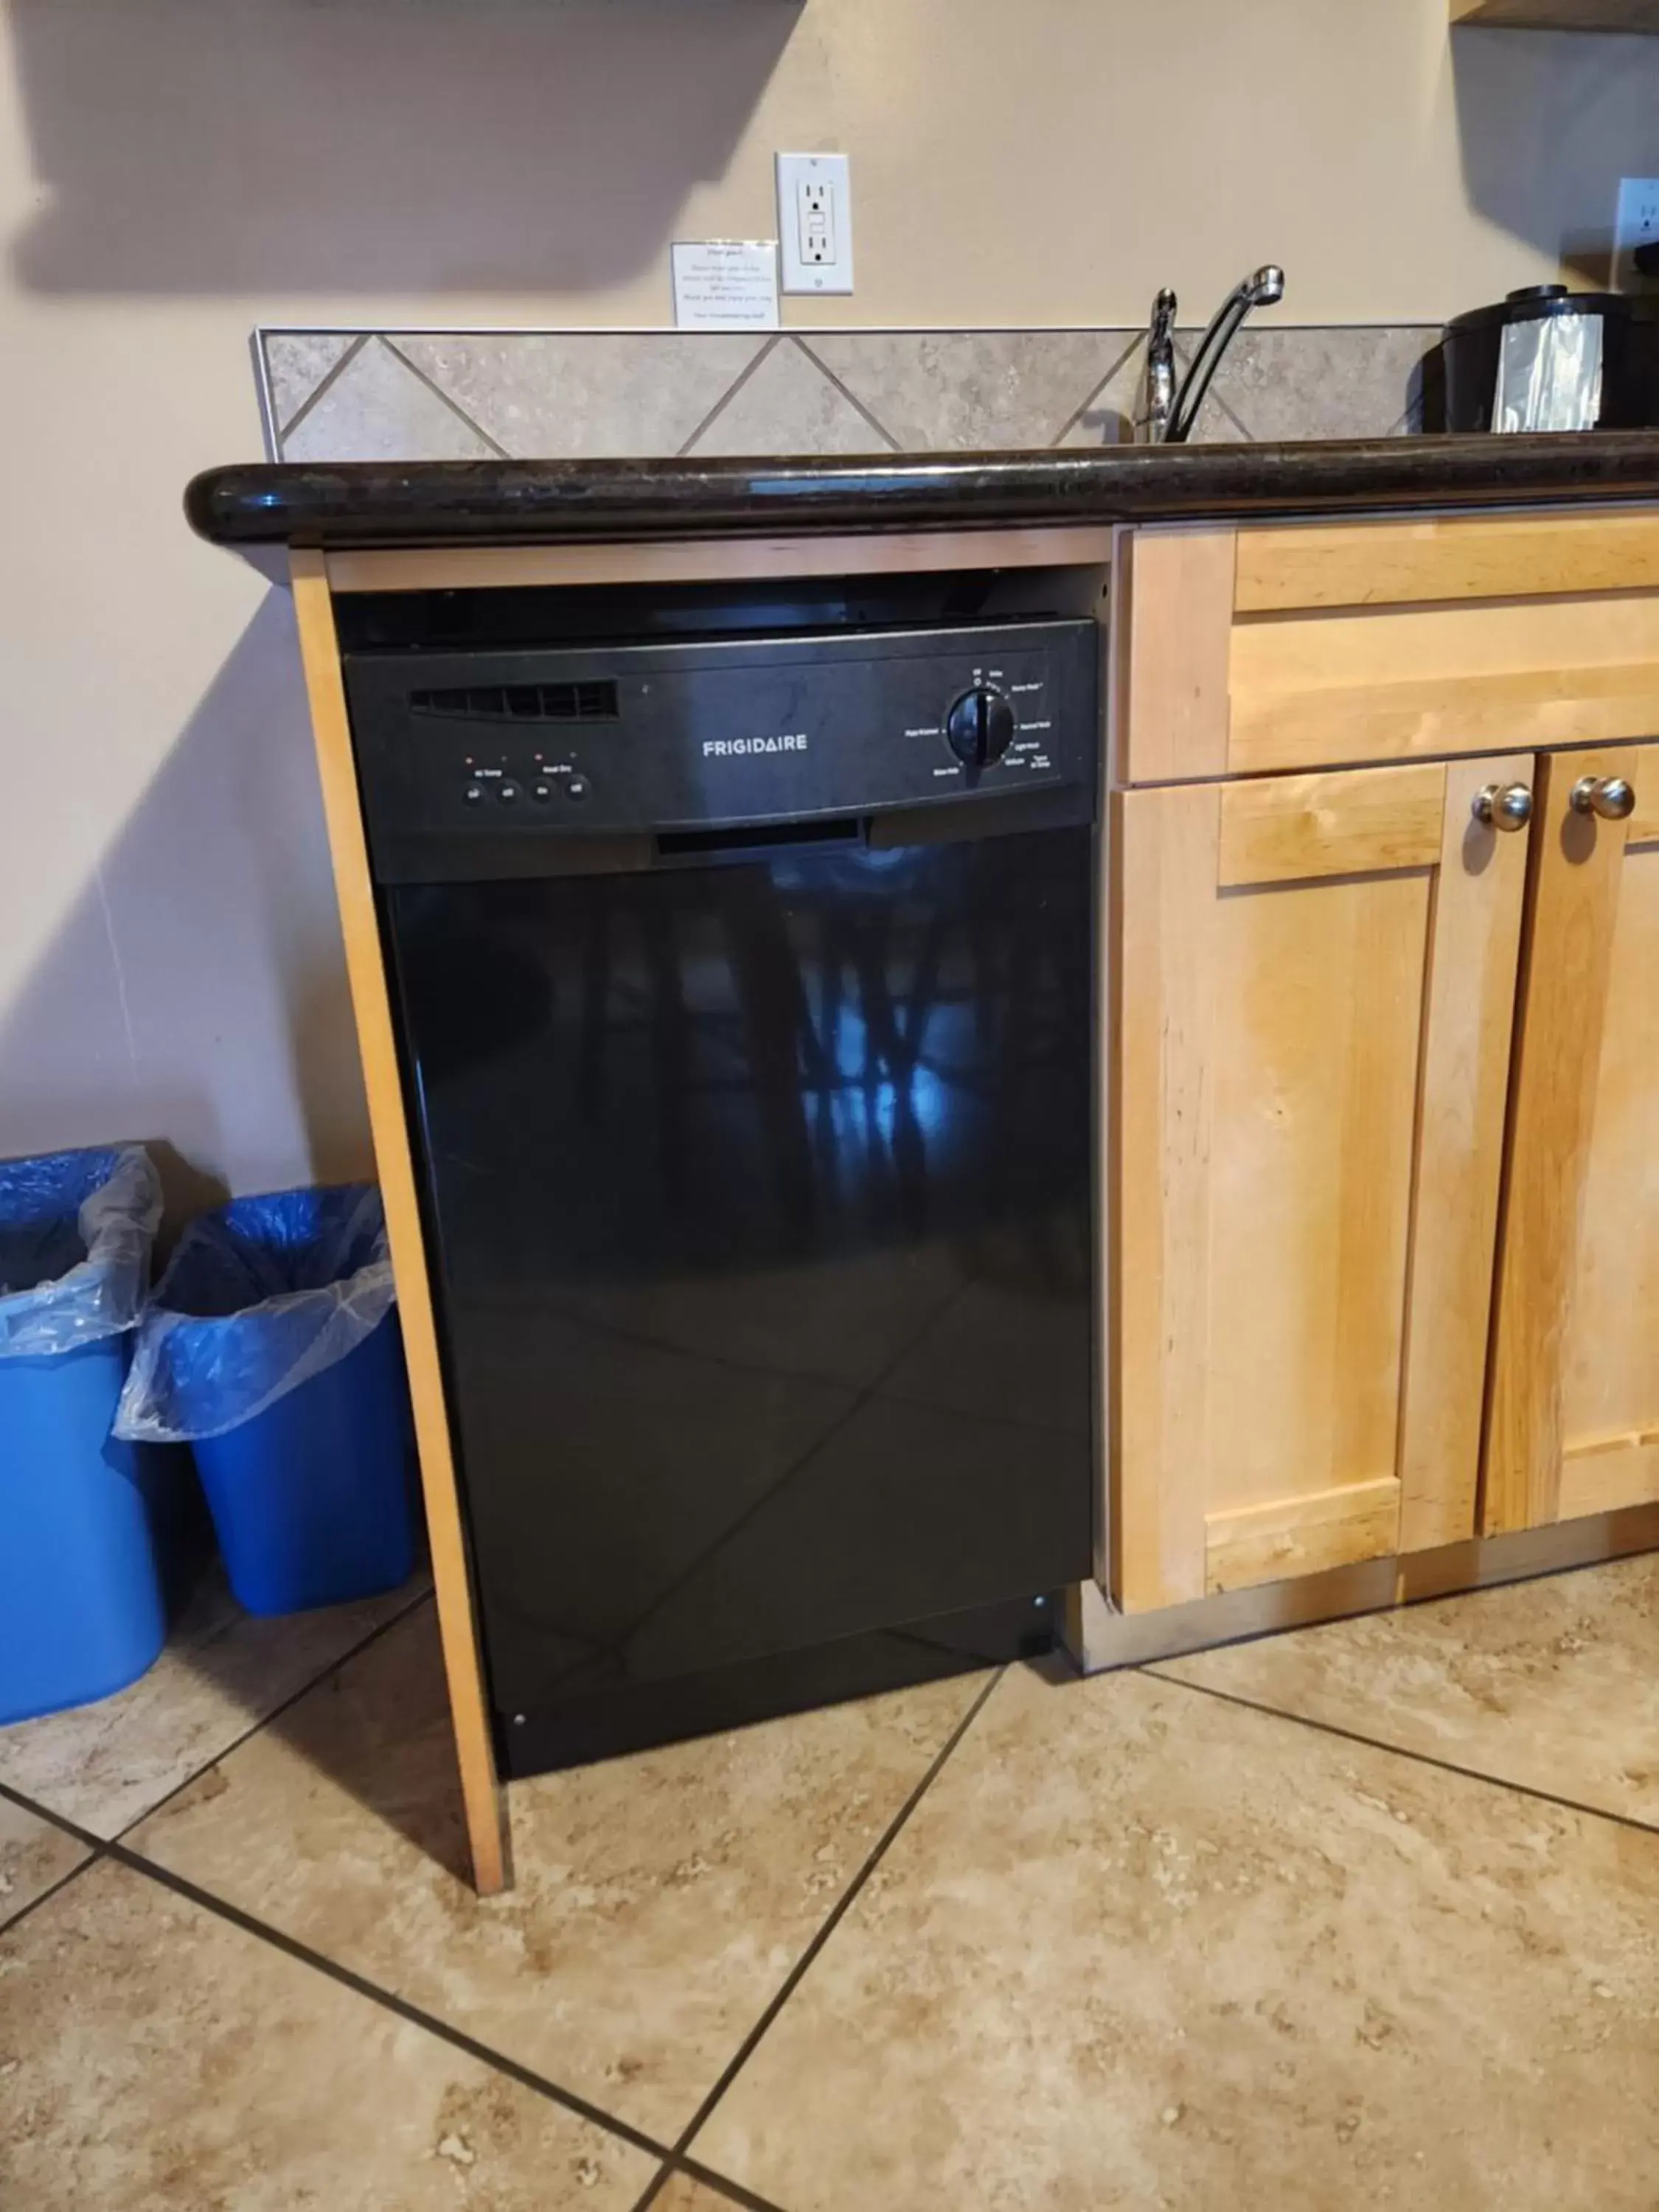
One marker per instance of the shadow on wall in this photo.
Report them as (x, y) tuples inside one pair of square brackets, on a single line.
[(208, 146), (197, 984), (1548, 122)]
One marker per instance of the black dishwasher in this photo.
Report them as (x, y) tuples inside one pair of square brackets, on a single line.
[(744, 988)]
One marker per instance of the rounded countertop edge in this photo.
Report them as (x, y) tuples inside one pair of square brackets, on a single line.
[(376, 503)]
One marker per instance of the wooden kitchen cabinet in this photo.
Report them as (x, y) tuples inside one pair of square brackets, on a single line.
[(1277, 648), (1574, 1421), (1311, 1029)]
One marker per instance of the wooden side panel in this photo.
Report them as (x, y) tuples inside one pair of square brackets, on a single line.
[(1303, 1535), (1166, 847), (1289, 828), (1283, 569), (1175, 707), (1473, 948), (484, 1803), (1578, 869)]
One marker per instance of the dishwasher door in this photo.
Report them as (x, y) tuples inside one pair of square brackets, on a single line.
[(760, 1197)]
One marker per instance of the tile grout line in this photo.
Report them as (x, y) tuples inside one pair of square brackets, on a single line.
[(100, 1848), (1094, 392), (672, 2160), (832, 1919), (1400, 1751), (330, 376), (735, 2192), (57, 1820), (761, 353), (97, 1848), (438, 392), (81, 1867), (847, 393), (371, 1637), (43, 1811), (499, 2062), (1219, 400)]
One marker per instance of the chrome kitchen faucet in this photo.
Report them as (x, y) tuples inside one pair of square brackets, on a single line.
[(1167, 413)]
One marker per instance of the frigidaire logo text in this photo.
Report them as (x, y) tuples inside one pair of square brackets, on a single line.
[(796, 743)]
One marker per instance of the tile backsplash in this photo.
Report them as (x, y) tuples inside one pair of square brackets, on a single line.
[(473, 395)]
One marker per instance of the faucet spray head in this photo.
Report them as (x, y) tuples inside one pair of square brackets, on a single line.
[(1264, 290)]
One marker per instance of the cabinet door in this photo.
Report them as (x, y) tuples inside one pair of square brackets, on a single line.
[(1314, 995), (1574, 1424)]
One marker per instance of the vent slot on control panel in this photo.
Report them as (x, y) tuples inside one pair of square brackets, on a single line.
[(685, 844), (521, 702)]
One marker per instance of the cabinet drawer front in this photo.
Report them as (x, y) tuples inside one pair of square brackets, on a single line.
[(1283, 647), (1296, 568), (1314, 987)]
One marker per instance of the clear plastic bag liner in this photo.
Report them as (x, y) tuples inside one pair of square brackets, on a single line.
[(75, 1232), (260, 1297), (1549, 374)]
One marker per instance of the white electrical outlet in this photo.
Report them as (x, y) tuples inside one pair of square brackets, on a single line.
[(815, 223), (816, 208), (1636, 224)]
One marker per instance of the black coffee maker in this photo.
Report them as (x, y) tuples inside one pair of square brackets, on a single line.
[(1548, 359)]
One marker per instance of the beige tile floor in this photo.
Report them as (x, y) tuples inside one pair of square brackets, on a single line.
[(1363, 1915)]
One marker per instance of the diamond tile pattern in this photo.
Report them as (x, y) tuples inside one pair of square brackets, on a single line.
[(379, 408), (788, 406), (1356, 383), (645, 394), (660, 1899), (298, 364), (1139, 1946), (1363, 1914), (968, 391), (585, 393)]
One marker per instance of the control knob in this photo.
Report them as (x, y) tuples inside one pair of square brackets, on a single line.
[(980, 726)]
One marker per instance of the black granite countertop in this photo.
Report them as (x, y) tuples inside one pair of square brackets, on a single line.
[(486, 502)]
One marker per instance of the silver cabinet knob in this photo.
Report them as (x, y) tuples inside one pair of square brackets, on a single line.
[(1504, 805), (1609, 796)]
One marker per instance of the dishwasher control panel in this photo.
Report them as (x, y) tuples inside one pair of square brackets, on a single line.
[(663, 738)]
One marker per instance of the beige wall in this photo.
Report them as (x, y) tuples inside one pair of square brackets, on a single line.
[(172, 171)]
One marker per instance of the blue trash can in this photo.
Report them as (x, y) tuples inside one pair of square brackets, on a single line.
[(84, 1518), (272, 1348)]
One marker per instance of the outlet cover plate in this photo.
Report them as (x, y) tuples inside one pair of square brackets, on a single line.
[(815, 223)]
